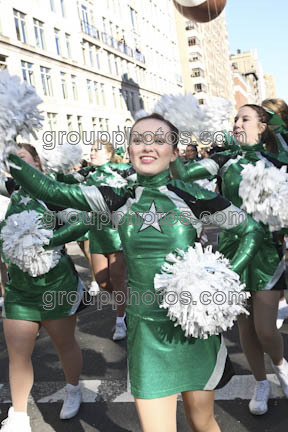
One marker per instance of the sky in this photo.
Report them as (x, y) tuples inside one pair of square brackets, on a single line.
[(262, 24)]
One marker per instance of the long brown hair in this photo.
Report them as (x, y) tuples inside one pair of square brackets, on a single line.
[(109, 148), (33, 152), (279, 106), (267, 137)]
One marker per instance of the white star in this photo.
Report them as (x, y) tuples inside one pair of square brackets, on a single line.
[(151, 218), (24, 200)]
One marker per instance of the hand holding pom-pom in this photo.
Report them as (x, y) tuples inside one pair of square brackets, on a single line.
[(24, 238), (202, 294)]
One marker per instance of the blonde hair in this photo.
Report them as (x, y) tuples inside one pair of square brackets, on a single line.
[(114, 158), (279, 106)]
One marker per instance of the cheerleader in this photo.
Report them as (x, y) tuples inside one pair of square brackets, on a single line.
[(162, 361), (278, 123), (28, 306), (107, 257), (265, 276)]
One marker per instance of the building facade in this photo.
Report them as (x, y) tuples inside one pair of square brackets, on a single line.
[(204, 54), (93, 62), (248, 64), (270, 87)]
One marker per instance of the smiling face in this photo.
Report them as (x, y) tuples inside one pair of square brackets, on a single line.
[(149, 151), (247, 126), (28, 158), (99, 155)]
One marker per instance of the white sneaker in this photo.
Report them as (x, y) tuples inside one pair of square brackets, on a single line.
[(72, 401), (16, 422), (282, 313), (94, 288), (282, 375), (120, 330), (259, 403)]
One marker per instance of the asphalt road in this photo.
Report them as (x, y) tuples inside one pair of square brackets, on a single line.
[(108, 405)]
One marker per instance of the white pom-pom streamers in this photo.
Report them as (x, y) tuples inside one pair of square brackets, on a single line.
[(213, 294), (264, 192), (23, 239), (62, 158)]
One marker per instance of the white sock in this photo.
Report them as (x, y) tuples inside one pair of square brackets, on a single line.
[(119, 319)]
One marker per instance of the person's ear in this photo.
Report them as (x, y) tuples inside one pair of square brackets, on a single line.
[(262, 127), (175, 154), (37, 162)]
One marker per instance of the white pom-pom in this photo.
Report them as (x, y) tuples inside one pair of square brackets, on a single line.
[(216, 115), (4, 203), (140, 114), (23, 240), (62, 158), (201, 293), (19, 114), (264, 192)]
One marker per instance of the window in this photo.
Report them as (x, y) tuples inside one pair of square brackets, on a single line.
[(74, 87), (193, 41), (19, 19), (80, 125), (57, 40), (98, 57), (69, 122), (52, 121), (27, 72), (68, 45), (89, 88), (201, 101), (132, 16), (103, 94), (197, 72), (114, 96), (62, 4), (85, 19), (94, 124), (46, 81), (91, 54), (64, 85), (116, 65), (101, 124), (52, 5), (83, 52), (3, 64), (39, 33), (199, 88), (107, 124), (96, 92), (121, 98)]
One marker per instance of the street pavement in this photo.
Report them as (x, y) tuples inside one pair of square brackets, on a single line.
[(108, 405)]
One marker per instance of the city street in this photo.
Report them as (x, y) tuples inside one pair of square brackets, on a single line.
[(108, 405)]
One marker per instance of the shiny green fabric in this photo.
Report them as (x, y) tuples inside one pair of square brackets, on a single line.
[(161, 360), (53, 295), (261, 270)]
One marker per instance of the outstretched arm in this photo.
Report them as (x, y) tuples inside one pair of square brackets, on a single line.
[(70, 231), (195, 171), (49, 190)]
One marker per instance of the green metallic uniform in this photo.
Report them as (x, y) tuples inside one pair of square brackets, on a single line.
[(103, 237), (53, 295), (266, 271), (154, 217)]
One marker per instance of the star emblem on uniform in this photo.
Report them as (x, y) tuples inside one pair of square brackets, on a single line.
[(24, 200), (151, 218)]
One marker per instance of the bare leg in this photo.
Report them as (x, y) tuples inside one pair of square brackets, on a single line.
[(117, 271), (265, 307), (101, 271), (199, 409), (84, 246), (157, 415), (62, 333), (4, 276), (251, 346), (20, 338)]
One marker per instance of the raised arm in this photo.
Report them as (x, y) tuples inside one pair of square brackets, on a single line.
[(70, 231), (53, 192)]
